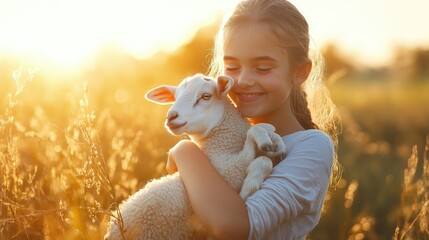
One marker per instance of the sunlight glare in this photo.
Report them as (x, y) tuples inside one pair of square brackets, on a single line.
[(67, 32)]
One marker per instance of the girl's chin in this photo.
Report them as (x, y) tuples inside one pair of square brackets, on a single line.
[(248, 112)]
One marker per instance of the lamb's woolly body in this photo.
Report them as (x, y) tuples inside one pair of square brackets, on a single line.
[(161, 209), (155, 211)]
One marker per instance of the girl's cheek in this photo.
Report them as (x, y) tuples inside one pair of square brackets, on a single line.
[(231, 74)]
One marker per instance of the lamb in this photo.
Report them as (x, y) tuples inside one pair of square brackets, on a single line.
[(201, 109)]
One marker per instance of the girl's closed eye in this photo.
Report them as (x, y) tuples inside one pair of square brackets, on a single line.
[(264, 69), (231, 68)]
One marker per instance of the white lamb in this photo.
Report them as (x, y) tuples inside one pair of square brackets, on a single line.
[(202, 110)]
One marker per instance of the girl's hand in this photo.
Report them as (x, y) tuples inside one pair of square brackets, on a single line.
[(180, 151)]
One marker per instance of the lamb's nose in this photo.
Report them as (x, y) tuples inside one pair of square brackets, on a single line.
[(172, 115)]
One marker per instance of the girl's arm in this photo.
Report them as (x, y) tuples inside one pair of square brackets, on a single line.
[(214, 202)]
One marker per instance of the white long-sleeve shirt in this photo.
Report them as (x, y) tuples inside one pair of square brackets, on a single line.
[(289, 203)]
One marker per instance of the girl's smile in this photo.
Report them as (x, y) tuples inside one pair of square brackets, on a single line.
[(248, 97)]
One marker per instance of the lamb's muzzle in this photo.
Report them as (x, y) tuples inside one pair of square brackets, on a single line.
[(171, 115)]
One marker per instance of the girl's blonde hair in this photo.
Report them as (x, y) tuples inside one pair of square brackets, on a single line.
[(310, 102)]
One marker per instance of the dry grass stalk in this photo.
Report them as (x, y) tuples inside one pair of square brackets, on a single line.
[(414, 217)]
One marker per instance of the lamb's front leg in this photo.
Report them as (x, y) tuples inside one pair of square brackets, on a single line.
[(260, 137), (257, 171)]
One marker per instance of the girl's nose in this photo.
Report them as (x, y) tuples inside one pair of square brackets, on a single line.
[(246, 79)]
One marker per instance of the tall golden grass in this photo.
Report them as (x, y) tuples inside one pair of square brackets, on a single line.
[(68, 192)]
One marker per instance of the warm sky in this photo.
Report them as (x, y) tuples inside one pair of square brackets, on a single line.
[(67, 31)]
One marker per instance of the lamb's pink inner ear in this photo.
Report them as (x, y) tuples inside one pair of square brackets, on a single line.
[(161, 95), (224, 84)]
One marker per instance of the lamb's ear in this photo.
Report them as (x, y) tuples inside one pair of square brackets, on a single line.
[(224, 84), (162, 94)]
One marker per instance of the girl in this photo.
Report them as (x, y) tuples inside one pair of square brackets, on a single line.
[(264, 47)]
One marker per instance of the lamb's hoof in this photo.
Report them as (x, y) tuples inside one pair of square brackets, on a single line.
[(268, 148)]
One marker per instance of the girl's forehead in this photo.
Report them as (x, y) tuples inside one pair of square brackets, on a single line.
[(251, 39)]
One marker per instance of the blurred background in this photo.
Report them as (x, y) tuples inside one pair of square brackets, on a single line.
[(78, 137)]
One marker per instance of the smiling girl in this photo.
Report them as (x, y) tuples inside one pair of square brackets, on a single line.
[(264, 47)]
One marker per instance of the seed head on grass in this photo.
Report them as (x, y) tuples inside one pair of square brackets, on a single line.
[(413, 220)]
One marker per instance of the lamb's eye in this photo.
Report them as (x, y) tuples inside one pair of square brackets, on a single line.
[(206, 96)]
